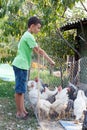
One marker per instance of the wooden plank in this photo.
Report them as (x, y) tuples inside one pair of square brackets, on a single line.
[(50, 125)]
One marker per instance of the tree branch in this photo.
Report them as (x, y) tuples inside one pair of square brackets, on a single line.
[(83, 5), (61, 36)]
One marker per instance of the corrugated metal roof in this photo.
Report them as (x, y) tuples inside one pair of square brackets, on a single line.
[(74, 25)]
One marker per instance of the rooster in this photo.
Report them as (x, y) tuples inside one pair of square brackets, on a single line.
[(79, 106)]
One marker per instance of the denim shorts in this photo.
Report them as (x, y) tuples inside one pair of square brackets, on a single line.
[(20, 80)]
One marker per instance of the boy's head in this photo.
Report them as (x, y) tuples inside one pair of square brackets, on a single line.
[(34, 24)]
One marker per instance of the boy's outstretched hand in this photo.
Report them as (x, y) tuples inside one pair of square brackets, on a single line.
[(40, 51), (52, 63)]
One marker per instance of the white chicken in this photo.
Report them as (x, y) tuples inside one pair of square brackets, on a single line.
[(39, 84), (35, 84), (47, 93), (44, 95), (61, 102), (79, 106), (43, 107), (33, 96), (63, 95), (85, 98), (31, 84), (35, 93), (51, 92)]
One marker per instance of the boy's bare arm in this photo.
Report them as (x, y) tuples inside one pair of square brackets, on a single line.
[(40, 51)]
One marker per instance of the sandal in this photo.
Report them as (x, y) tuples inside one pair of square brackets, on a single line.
[(22, 117), (26, 113)]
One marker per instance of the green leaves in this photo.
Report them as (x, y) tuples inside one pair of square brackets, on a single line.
[(3, 7), (69, 3), (14, 16)]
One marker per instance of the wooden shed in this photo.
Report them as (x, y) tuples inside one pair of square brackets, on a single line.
[(81, 28)]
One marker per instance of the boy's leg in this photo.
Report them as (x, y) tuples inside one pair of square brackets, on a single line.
[(19, 104), (24, 109), (19, 99), (20, 89)]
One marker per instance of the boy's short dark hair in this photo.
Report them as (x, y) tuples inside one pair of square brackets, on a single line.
[(33, 20)]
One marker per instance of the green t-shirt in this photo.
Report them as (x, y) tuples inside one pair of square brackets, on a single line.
[(25, 47)]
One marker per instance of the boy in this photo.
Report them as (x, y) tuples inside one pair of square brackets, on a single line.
[(22, 61)]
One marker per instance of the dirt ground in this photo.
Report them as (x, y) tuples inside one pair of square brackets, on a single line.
[(8, 120), (54, 125)]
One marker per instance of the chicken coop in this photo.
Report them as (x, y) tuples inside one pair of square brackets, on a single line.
[(79, 64), (53, 104)]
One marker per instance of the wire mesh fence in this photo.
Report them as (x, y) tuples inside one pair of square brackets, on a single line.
[(46, 98), (78, 71)]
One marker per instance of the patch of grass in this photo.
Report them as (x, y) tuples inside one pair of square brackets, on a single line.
[(6, 89), (8, 120)]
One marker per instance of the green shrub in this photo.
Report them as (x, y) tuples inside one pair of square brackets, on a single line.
[(46, 77)]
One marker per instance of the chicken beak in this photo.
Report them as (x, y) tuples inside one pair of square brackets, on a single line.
[(68, 89), (59, 88)]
